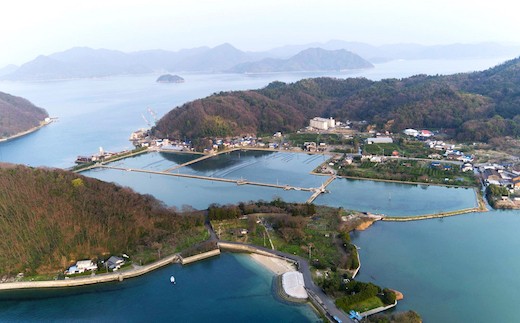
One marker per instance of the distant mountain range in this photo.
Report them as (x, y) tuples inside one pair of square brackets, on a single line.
[(18, 115), (312, 59), (389, 52), (83, 62)]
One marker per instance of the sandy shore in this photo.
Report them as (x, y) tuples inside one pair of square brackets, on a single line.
[(277, 266)]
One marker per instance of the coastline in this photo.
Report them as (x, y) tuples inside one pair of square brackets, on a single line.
[(23, 133), (94, 279), (275, 265)]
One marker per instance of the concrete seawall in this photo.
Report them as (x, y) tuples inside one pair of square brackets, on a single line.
[(248, 249), (89, 280), (377, 310), (204, 255)]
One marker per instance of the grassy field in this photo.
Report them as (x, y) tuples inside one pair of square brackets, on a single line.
[(411, 171), (404, 147), (318, 233), (367, 304)]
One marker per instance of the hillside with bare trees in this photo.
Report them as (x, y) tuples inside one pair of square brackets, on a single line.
[(18, 115), (51, 218)]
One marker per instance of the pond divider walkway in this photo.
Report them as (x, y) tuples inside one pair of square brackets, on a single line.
[(321, 189), (189, 163), (218, 179)]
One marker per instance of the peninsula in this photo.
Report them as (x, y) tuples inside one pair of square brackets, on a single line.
[(18, 117)]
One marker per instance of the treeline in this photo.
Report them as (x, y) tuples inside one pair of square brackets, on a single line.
[(232, 211), (494, 193), (18, 115), (50, 218), (475, 106)]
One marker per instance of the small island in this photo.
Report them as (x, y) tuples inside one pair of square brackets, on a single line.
[(168, 78)]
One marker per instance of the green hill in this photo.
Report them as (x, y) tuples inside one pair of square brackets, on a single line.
[(18, 115), (50, 218), (476, 106)]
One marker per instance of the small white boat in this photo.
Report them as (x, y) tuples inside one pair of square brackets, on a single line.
[(172, 280)]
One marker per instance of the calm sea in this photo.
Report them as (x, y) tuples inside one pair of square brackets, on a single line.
[(457, 269)]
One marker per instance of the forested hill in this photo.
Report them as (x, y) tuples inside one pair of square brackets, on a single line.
[(50, 218), (478, 106), (18, 115)]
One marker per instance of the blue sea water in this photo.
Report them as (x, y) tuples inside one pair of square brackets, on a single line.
[(227, 288), (457, 269)]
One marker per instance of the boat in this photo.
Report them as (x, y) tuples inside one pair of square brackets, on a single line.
[(172, 280)]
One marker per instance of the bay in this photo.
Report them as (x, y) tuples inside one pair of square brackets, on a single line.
[(228, 288)]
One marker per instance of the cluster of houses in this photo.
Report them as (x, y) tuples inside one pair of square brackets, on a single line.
[(142, 138), (500, 175), (101, 156), (421, 134), (113, 263)]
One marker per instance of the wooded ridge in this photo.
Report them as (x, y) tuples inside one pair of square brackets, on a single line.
[(476, 106)]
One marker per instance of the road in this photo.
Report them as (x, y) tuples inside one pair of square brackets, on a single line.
[(304, 268)]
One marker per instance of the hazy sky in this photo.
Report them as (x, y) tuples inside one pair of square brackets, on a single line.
[(29, 28)]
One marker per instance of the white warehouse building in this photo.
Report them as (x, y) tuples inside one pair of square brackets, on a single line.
[(322, 123)]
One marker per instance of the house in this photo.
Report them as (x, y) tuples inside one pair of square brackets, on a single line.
[(516, 182), (114, 262), (411, 132), (81, 266), (425, 134), (467, 167)]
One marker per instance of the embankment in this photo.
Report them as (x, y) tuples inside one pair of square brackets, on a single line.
[(93, 279), (201, 256)]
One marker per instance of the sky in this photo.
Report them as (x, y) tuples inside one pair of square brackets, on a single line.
[(29, 28)]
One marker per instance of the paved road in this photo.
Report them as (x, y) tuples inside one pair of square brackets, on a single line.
[(303, 267)]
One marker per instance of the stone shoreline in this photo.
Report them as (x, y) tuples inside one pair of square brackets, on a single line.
[(24, 133)]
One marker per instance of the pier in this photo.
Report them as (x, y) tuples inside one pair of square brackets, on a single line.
[(321, 189)]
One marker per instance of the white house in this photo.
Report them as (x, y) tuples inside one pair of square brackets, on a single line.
[(411, 132), (81, 266)]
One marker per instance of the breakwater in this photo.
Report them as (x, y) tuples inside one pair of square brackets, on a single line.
[(201, 256)]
